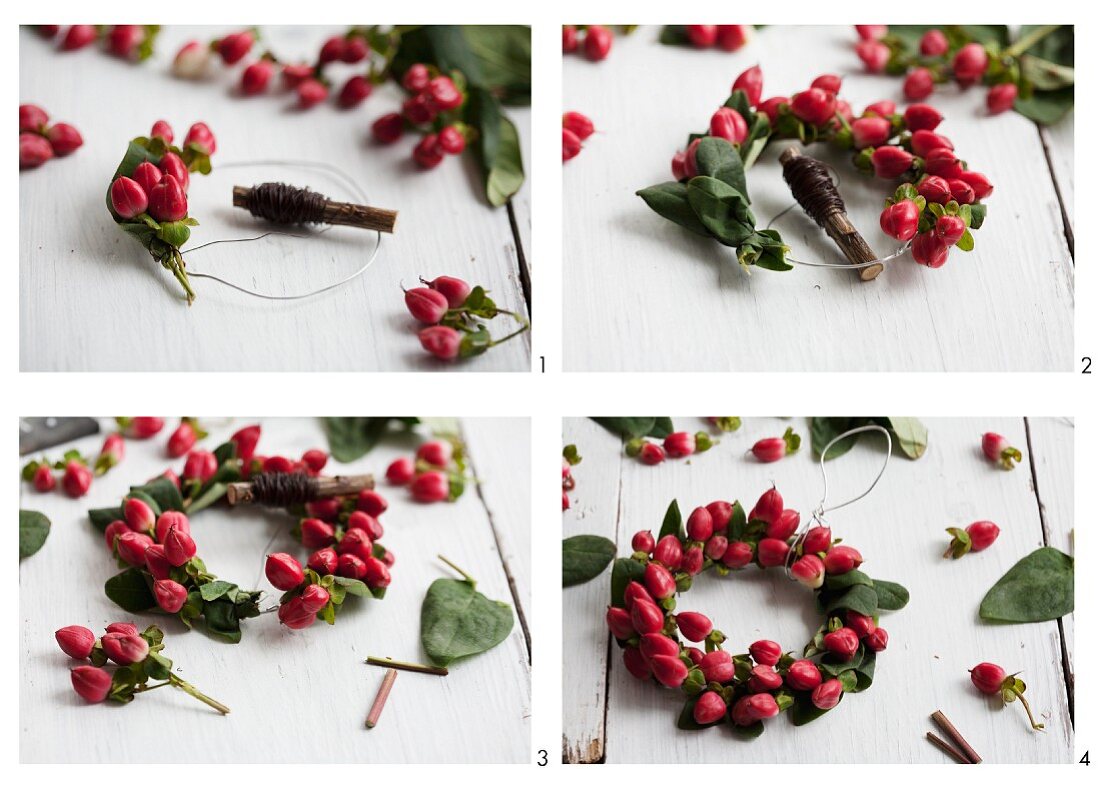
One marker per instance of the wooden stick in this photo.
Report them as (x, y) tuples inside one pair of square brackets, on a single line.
[(843, 232), (381, 697), (336, 213), (341, 485), (407, 665), (948, 749), (946, 725)]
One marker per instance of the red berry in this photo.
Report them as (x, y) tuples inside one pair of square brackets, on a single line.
[(568, 38), (34, 150), (427, 153), (388, 128), (728, 124), (874, 55), (890, 161), (311, 92), (64, 138), (451, 140), (934, 43), (570, 144), (256, 77), (950, 229), (597, 42), (416, 78), (929, 249), (814, 106), (579, 124), (43, 479), (900, 220), (751, 81), (355, 91), (919, 84), (970, 64), (1001, 98), (702, 36), (732, 37)]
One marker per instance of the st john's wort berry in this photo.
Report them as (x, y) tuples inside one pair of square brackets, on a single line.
[(872, 32), (416, 78), (919, 84), (200, 465), (981, 185), (842, 559), (569, 39), (425, 305), (874, 55), (179, 547), (455, 290), (1001, 98), (863, 625), (657, 644), (843, 110), (717, 666), (700, 524), (768, 507), (922, 116), (278, 464), (720, 514), (597, 42), (64, 138), (172, 165), (427, 153), (636, 664), (323, 561), (618, 622), (256, 77), (924, 141), (766, 652), (817, 540), (702, 36), (754, 708), (387, 558), (451, 140), (418, 111), (355, 541), (934, 189), (324, 509), (659, 581), (32, 118), (970, 64), (771, 553), (191, 61), (890, 161), (111, 454), (168, 201), (692, 563), (738, 554), (43, 479), (372, 503), (350, 566), (367, 523), (803, 675), (124, 648), (570, 144), (332, 50), (311, 92), (814, 106), (870, 132), (842, 643), (435, 453), (694, 655), (646, 616), (643, 541), (669, 671), (122, 628), (809, 571), (651, 454), (770, 450), (987, 678), (634, 592), (293, 614), (751, 81), (163, 130), (128, 199), (314, 598), (716, 547), (200, 136), (114, 529), (233, 47), (827, 82), (770, 107), (950, 229), (997, 449), (34, 150), (400, 472), (315, 460), (131, 547), (784, 525), (139, 515), (728, 124), (669, 552), (579, 124), (883, 108), (156, 562), (284, 571), (77, 479), (170, 595), (430, 487), (929, 250), (709, 708), (961, 192), (316, 534), (78, 37), (827, 695), (732, 37), (764, 678), (144, 427), (354, 92), (979, 536), (75, 641), (93, 684), (147, 175), (877, 640), (933, 43), (388, 128), (444, 94), (679, 444), (294, 74)]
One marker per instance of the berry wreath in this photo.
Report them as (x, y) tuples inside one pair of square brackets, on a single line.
[(335, 517), (747, 688)]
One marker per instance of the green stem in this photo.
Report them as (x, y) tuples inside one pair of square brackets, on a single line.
[(1031, 718), (468, 577), (150, 688), (525, 325), (1030, 40), (182, 684), (181, 275)]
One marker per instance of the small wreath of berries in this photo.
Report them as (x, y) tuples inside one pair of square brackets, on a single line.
[(747, 688), (150, 535)]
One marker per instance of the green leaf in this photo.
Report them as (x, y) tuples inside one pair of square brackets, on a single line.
[(1036, 589), (891, 595), (865, 673), (162, 491), (221, 620), (570, 454), (717, 158), (208, 497), (824, 429), (636, 427), (34, 528), (909, 434), (624, 571), (352, 587), (803, 711), (215, 589), (673, 523), (1046, 107), (836, 668), (670, 200), (722, 209), (350, 438), (860, 599), (130, 590), (584, 557), (846, 580), (738, 522), (674, 35), (497, 147), (457, 621)]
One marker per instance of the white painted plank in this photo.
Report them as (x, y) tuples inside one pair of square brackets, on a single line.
[(647, 295), (899, 529), (278, 683), (1059, 140), (84, 285)]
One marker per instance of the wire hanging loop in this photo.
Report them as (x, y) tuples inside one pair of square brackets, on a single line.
[(817, 517)]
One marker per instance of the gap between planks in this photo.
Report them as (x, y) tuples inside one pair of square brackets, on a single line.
[(1067, 674), (1067, 224), (521, 258)]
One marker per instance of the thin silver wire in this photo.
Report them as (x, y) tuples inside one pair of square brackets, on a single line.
[(817, 517), (818, 264), (353, 187)]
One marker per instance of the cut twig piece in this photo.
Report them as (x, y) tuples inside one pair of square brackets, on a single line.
[(816, 193), (948, 749), (281, 490), (287, 205), (946, 725), (381, 697), (407, 665)]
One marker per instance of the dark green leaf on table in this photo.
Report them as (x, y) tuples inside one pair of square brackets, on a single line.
[(130, 590), (670, 200), (891, 595), (624, 571), (673, 522), (1036, 589), (584, 557), (457, 621), (34, 528), (350, 438)]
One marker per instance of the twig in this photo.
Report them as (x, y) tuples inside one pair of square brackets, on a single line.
[(407, 665), (946, 725), (948, 749), (381, 697)]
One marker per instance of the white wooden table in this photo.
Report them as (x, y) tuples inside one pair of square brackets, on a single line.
[(644, 294), (608, 715), (91, 298), (296, 696)]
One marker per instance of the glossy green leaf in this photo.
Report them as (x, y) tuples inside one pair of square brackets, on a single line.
[(457, 621), (1036, 589), (34, 528), (584, 557)]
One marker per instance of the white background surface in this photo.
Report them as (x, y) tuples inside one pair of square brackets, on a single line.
[(91, 298), (295, 696), (899, 528), (644, 294)]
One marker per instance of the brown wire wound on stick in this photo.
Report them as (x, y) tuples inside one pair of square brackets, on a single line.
[(817, 194), (284, 204), (275, 489)]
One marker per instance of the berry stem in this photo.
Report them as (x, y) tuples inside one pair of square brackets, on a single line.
[(180, 683), (1028, 41), (472, 581), (181, 274), (1034, 725), (524, 326), (406, 665)]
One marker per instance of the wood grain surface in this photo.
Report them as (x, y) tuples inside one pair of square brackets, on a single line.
[(295, 696), (91, 298), (644, 294), (608, 715)]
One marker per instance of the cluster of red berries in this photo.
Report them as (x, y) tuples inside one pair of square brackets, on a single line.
[(938, 62), (432, 111), (40, 141), (746, 688), (130, 42), (454, 313), (992, 680), (160, 189), (157, 544), (595, 40), (434, 474), (726, 37), (575, 129), (78, 472), (680, 444)]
